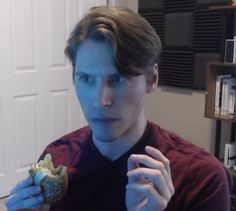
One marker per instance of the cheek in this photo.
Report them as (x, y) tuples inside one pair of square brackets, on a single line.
[(132, 100), (83, 95)]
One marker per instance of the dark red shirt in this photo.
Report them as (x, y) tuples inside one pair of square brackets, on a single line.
[(97, 184)]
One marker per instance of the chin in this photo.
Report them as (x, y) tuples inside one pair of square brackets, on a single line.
[(108, 133), (106, 136)]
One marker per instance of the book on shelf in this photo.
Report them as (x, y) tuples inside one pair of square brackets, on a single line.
[(228, 95), (230, 50), (230, 155), (218, 91)]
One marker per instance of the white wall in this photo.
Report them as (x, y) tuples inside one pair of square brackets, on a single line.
[(182, 111)]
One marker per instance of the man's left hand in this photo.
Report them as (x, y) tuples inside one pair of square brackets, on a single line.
[(150, 185)]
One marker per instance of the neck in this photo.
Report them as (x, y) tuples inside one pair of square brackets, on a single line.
[(116, 148)]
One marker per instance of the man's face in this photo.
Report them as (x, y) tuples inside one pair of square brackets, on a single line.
[(113, 105)]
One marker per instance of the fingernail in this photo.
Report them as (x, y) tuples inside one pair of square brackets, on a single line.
[(148, 148), (133, 156)]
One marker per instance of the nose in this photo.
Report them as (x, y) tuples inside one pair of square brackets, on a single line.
[(103, 96)]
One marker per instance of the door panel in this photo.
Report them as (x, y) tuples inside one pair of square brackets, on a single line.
[(38, 103)]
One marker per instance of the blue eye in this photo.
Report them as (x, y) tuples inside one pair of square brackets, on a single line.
[(84, 78), (117, 80)]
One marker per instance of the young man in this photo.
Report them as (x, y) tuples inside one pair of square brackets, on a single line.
[(121, 161)]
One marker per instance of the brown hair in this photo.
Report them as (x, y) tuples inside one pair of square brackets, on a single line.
[(136, 44)]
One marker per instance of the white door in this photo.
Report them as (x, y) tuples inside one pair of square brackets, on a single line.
[(37, 99)]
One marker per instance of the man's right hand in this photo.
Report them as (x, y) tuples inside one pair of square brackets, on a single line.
[(25, 195)]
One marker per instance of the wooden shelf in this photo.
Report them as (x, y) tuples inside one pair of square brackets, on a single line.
[(225, 7), (219, 68), (227, 118), (222, 64)]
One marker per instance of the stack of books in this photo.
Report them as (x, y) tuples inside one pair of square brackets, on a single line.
[(225, 95)]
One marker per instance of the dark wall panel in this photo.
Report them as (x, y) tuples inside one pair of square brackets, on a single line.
[(176, 68), (191, 35), (207, 30), (213, 2), (179, 30), (200, 68), (178, 5), (150, 4)]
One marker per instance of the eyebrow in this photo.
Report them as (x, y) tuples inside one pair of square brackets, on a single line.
[(86, 73)]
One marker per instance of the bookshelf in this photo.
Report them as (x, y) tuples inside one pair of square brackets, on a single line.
[(217, 68), (214, 69), (221, 68)]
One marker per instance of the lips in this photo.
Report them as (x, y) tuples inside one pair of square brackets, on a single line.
[(104, 120)]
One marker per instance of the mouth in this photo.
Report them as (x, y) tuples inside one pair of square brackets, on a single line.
[(104, 120)]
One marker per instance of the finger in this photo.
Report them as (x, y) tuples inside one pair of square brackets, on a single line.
[(150, 162), (155, 153), (138, 203), (154, 164), (131, 164), (154, 177), (23, 194), (159, 156), (32, 202), (23, 184), (154, 200)]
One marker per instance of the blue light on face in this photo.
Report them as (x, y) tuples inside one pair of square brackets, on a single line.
[(114, 81), (110, 102), (84, 78)]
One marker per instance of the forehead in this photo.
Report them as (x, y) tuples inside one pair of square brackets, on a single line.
[(95, 57)]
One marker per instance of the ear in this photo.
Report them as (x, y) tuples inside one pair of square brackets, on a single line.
[(152, 80)]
